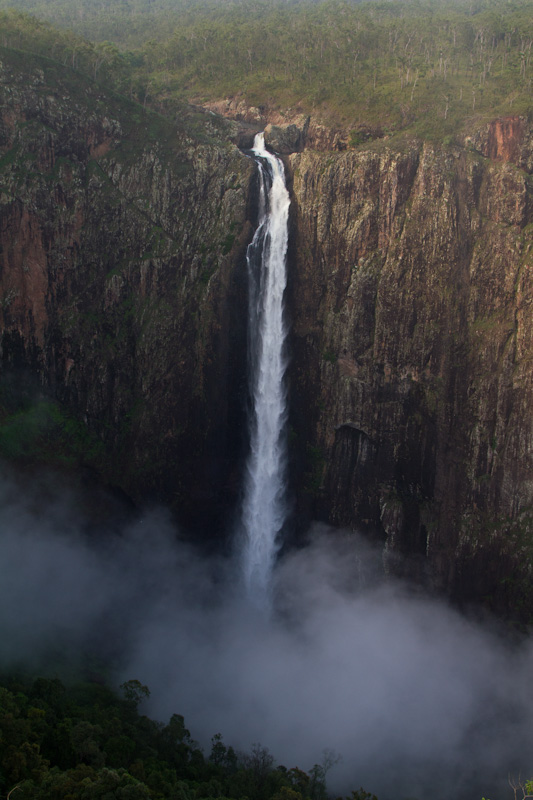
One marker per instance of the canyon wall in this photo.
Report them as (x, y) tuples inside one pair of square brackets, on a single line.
[(123, 299), (122, 280), (411, 376)]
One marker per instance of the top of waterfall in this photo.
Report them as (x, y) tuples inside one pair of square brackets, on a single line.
[(259, 144)]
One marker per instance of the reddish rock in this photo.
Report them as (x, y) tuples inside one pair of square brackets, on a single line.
[(505, 139)]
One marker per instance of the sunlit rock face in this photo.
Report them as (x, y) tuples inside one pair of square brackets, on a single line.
[(508, 139), (411, 294)]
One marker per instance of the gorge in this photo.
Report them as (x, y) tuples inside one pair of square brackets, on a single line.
[(408, 293), (130, 242)]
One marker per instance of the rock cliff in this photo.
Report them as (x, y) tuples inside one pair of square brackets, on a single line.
[(123, 298), (411, 377), (122, 279)]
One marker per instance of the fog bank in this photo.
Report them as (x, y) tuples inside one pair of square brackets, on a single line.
[(415, 698)]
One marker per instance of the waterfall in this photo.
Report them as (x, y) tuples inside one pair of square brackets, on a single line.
[(264, 505)]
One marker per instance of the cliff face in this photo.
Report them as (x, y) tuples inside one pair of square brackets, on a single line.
[(411, 298), (122, 282), (123, 297)]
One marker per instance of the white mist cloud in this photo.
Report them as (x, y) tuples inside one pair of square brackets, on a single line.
[(415, 698)]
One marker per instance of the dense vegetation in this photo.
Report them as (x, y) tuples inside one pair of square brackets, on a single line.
[(83, 741), (419, 67)]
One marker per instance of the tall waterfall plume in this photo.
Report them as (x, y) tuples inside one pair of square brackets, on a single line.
[(264, 504)]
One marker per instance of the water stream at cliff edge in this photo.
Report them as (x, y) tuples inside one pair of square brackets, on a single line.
[(264, 506)]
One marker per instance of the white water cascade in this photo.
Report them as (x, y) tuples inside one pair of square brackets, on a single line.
[(264, 505)]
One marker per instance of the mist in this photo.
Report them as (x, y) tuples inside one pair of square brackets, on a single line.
[(413, 697)]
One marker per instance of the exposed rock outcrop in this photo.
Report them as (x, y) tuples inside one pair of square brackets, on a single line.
[(411, 303), (306, 131), (286, 139), (508, 139)]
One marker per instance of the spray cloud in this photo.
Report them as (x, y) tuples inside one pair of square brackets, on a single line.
[(414, 697)]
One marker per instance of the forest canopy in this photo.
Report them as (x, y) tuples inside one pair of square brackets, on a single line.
[(419, 68), (83, 740)]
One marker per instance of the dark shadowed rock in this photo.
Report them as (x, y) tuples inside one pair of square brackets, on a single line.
[(122, 280), (285, 139)]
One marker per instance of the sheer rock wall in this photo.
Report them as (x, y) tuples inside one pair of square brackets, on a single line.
[(122, 280), (123, 297), (411, 293)]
